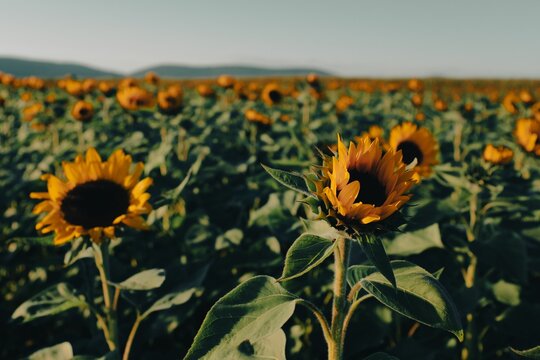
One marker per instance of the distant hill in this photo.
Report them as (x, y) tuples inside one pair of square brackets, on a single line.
[(48, 69), (178, 71)]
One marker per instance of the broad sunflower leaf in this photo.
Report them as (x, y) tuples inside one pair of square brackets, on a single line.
[(374, 250), (144, 280), (245, 323), (418, 295), (307, 252), (291, 180), (62, 351), (415, 242), (51, 301), (533, 353)]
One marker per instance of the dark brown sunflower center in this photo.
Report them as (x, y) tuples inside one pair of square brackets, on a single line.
[(275, 96), (372, 191), (410, 152), (95, 204)]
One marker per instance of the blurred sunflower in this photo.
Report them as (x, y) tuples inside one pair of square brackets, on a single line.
[(89, 85), (527, 132), (134, 98), (510, 102), (151, 78), (498, 154), (256, 117), (271, 94), (106, 88), (415, 143), (361, 185), (82, 110), (343, 103), (170, 100), (225, 81), (205, 90), (96, 197), (440, 105), (374, 132), (30, 112), (417, 100)]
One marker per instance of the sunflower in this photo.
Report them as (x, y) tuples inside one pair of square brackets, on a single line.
[(527, 132), (170, 100), (96, 197), (417, 100), (361, 185), (30, 112), (498, 154), (134, 98), (89, 85), (205, 90), (271, 94), (510, 102), (226, 81), (74, 88), (82, 111), (256, 117), (343, 103), (151, 78), (374, 132), (415, 143), (106, 88)]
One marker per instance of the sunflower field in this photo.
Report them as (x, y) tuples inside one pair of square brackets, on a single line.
[(298, 218)]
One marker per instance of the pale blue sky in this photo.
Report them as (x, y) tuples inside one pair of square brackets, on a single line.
[(486, 38)]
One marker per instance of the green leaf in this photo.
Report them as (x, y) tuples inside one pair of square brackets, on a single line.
[(51, 301), (243, 323), (168, 301), (533, 353), (507, 293), (79, 250), (374, 250), (291, 180), (415, 242), (144, 280), (358, 272), (62, 351), (307, 252), (418, 295)]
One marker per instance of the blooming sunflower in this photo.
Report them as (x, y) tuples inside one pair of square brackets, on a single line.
[(96, 197), (361, 185), (527, 132), (134, 98), (415, 143), (82, 111), (498, 154)]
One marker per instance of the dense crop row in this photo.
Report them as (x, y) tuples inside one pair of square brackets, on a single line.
[(219, 218)]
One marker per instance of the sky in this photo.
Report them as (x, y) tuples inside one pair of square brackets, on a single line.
[(379, 38)]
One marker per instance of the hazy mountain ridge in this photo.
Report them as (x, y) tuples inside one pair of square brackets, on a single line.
[(49, 69)]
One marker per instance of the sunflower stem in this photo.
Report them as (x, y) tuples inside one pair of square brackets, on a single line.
[(131, 337), (340, 304), (102, 263)]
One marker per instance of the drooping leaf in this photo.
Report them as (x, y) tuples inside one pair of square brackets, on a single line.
[(415, 242), (51, 301), (418, 295), (374, 250), (35, 240), (533, 353), (144, 280), (307, 252), (250, 314), (291, 180)]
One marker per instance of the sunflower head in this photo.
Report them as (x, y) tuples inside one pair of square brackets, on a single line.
[(95, 197), (226, 81), (134, 98), (527, 132), (30, 112), (361, 188), (74, 88), (106, 88), (256, 117), (415, 85), (205, 90), (271, 94), (89, 85), (343, 103), (151, 78), (498, 155), (82, 111), (417, 100), (417, 144), (170, 100), (510, 102)]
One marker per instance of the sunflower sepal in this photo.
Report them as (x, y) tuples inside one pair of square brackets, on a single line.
[(291, 180)]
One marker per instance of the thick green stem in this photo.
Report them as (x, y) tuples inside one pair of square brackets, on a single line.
[(340, 305)]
